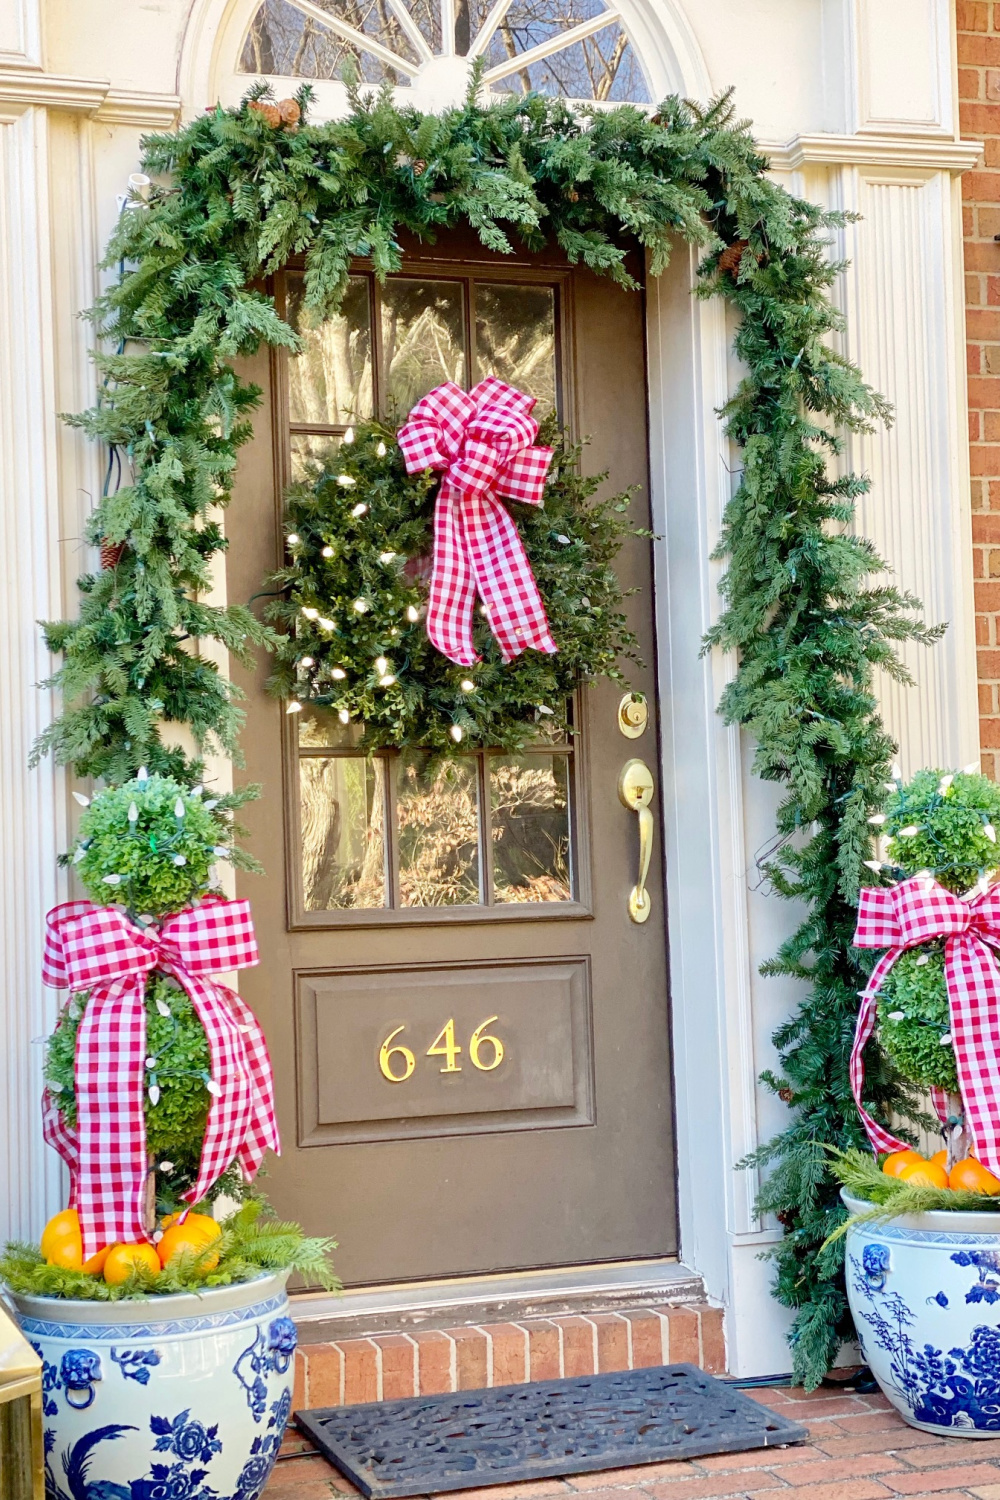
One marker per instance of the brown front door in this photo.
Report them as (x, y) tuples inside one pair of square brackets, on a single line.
[(469, 1034)]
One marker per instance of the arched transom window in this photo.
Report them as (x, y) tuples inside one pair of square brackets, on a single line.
[(577, 49)]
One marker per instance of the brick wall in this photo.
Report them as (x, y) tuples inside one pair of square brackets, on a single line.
[(979, 112), (388, 1366)]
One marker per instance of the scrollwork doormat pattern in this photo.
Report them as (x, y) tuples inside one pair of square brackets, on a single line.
[(426, 1444)]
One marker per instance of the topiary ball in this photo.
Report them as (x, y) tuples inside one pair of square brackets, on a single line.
[(150, 844), (945, 824), (175, 1123)]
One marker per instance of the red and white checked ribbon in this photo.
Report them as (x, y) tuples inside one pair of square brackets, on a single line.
[(97, 948), (917, 911), (483, 440)]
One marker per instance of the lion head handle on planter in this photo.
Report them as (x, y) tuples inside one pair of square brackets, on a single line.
[(935, 992), (162, 853)]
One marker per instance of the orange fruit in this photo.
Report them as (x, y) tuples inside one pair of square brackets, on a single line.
[(924, 1174), (179, 1237), (122, 1260), (95, 1265), (941, 1157), (62, 1243), (971, 1176), (203, 1223), (894, 1164)]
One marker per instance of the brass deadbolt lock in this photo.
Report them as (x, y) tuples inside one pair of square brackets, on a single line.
[(633, 716)]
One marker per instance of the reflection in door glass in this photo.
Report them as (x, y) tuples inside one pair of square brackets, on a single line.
[(437, 832), (342, 821), (331, 380), (423, 340), (529, 798), (310, 450), (516, 339)]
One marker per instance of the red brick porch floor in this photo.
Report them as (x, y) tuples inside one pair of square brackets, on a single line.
[(859, 1449)]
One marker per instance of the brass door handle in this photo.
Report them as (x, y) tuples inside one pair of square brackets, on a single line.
[(635, 791)]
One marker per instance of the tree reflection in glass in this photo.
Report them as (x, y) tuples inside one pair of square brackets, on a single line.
[(437, 831), (331, 380), (423, 340), (341, 826), (529, 798), (516, 338)]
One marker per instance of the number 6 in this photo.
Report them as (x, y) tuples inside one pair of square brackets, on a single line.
[(386, 1052), (476, 1040)]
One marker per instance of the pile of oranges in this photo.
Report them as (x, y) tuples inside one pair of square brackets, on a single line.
[(967, 1175), (62, 1245)]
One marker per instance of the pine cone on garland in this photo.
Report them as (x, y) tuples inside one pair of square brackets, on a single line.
[(269, 112), (289, 111), (111, 553), (729, 260), (419, 167), (572, 195)]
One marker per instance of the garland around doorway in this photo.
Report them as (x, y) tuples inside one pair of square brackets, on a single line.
[(240, 191)]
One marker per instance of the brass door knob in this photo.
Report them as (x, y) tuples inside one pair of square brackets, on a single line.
[(635, 791)]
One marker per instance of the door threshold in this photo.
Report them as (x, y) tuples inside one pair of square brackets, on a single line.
[(360, 1312)]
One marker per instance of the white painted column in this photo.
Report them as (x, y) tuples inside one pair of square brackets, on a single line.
[(31, 830), (904, 302)]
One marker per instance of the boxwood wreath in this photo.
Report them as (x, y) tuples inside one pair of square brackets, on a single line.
[(240, 191), (353, 603)]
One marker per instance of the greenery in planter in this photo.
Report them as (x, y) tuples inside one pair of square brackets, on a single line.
[(240, 191), (252, 1243), (353, 606), (861, 1175)]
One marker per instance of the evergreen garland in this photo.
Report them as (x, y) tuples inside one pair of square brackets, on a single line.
[(246, 189), (353, 603)]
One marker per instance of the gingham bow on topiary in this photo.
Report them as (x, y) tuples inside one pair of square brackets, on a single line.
[(97, 948), (916, 911)]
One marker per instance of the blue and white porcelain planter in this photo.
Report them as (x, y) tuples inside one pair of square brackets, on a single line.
[(924, 1291), (172, 1398)]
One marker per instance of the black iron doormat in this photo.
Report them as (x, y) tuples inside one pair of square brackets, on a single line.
[(425, 1444)]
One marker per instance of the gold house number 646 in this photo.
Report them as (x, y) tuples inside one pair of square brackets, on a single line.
[(396, 1061)]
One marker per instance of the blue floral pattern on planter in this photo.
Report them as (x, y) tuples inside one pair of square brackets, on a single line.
[(987, 1263), (135, 1363), (80, 1370), (50, 1383), (250, 1369), (267, 1354), (187, 1441), (960, 1388)]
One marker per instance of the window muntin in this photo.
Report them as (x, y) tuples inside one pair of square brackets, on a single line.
[(401, 832), (575, 49)]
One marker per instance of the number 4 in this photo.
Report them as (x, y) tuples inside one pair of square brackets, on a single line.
[(444, 1045)]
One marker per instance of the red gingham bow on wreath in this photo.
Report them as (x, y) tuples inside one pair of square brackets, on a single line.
[(483, 440), (97, 948), (914, 912)]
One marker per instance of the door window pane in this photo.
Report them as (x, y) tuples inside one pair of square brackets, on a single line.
[(310, 450), (342, 819), (529, 798), (423, 339), (320, 728), (516, 338), (331, 380), (437, 831)]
